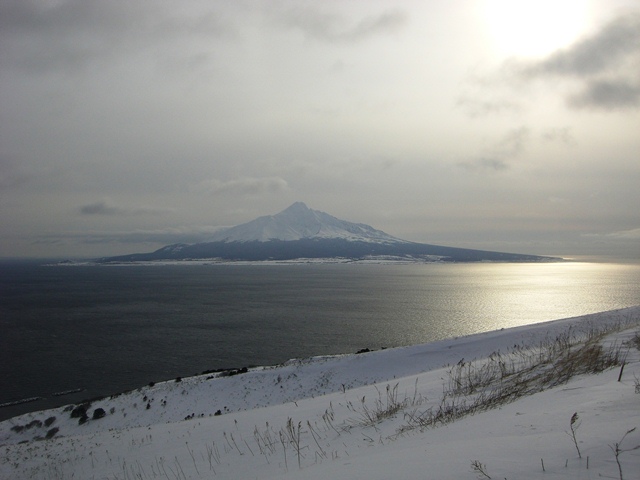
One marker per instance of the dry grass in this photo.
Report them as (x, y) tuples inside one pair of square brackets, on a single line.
[(472, 387)]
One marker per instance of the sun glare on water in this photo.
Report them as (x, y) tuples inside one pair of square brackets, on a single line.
[(534, 28)]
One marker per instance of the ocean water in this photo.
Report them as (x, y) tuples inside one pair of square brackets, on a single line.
[(106, 329)]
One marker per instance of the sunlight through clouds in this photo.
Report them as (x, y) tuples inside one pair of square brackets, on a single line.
[(404, 115), (534, 28)]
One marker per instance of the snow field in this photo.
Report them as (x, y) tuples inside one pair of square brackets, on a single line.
[(353, 416)]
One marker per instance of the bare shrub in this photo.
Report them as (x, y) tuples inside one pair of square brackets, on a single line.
[(618, 450), (574, 424), (480, 469)]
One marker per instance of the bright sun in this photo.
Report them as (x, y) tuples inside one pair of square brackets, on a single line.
[(533, 28)]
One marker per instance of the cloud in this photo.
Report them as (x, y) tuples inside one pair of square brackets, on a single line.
[(606, 66), (607, 94), (602, 52), (164, 236), (101, 208), (106, 207), (475, 107), (11, 175), (561, 135), (633, 234), (499, 156), (512, 143), (598, 72), (332, 27), (244, 186), (484, 164), (71, 34)]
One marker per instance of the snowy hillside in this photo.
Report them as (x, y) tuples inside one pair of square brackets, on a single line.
[(552, 398), (300, 222)]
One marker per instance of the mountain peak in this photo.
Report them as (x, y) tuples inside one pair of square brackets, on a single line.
[(296, 207), (301, 222)]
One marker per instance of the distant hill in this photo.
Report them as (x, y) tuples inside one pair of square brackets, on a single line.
[(299, 232)]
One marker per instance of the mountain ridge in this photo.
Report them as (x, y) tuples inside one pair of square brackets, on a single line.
[(299, 232)]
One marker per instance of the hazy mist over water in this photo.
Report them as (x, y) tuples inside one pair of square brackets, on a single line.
[(109, 329)]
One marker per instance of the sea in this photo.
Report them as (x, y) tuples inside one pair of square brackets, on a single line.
[(70, 333)]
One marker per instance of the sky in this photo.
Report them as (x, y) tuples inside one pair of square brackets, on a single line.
[(127, 125)]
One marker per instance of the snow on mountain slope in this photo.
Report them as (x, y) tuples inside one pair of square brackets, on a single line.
[(302, 233), (300, 222)]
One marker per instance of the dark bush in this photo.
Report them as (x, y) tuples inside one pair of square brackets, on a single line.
[(51, 433), (34, 423), (79, 411), (98, 413), (233, 371), (49, 421), (17, 428), (83, 419)]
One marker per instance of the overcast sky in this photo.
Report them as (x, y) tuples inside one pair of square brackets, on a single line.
[(126, 125)]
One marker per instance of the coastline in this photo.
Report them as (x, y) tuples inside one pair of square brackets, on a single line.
[(325, 416), (439, 353)]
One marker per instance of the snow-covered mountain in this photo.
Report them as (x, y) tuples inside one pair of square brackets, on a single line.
[(300, 222), (299, 232)]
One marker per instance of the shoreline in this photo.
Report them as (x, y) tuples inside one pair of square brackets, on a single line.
[(491, 339), (367, 415)]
